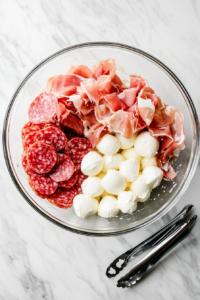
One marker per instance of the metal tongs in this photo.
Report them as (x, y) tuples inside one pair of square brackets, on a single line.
[(163, 240)]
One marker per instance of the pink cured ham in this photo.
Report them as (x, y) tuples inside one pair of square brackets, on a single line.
[(108, 66), (146, 110), (63, 170), (104, 85), (148, 93), (162, 120), (52, 136), (170, 173), (114, 103), (83, 71), (123, 122), (177, 128), (41, 158), (128, 96), (137, 82), (43, 107), (63, 198), (67, 91), (91, 90), (74, 123), (98, 72), (96, 133), (60, 82), (102, 113)]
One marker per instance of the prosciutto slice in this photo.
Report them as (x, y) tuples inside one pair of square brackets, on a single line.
[(91, 90), (114, 103), (83, 71), (146, 110), (60, 82), (108, 67)]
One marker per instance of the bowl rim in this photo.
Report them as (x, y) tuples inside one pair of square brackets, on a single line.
[(194, 161)]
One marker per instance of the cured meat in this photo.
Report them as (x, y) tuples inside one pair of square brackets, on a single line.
[(25, 163), (96, 134), (52, 121), (98, 72), (70, 133), (81, 178), (27, 130), (63, 170), (77, 166), (102, 113), (137, 82), (60, 82), (91, 90), (43, 107), (128, 96), (83, 71), (108, 67), (29, 140), (114, 103), (146, 110), (70, 182), (52, 136), (74, 123), (104, 85), (41, 158), (63, 198), (43, 184), (77, 148), (170, 173), (123, 122)]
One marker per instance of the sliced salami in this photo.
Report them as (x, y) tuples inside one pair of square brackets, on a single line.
[(69, 183), (81, 178), (26, 131), (42, 184), (25, 163), (63, 170), (52, 136), (77, 166), (77, 148), (63, 198), (43, 107), (29, 140), (41, 158), (53, 122)]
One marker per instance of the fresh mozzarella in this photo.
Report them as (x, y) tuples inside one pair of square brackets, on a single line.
[(92, 187), (108, 145), (146, 145), (114, 182), (92, 164), (85, 206), (108, 207)]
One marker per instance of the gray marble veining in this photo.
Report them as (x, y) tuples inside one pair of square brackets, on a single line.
[(39, 260)]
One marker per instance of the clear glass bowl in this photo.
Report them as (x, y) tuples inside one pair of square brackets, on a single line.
[(166, 85)]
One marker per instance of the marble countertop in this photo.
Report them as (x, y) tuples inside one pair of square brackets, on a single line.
[(39, 260)]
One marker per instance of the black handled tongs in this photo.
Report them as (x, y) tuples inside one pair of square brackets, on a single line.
[(162, 238)]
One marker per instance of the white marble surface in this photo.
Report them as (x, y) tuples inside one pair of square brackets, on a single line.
[(37, 259)]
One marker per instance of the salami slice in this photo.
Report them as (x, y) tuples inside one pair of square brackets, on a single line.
[(77, 148), (43, 107), (69, 183), (77, 166), (41, 158), (63, 198), (81, 178), (26, 131), (52, 136), (25, 163), (42, 184), (63, 170), (29, 140)]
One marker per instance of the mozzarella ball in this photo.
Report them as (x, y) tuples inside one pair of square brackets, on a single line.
[(148, 161), (114, 182), (85, 206), (108, 207), (127, 202), (130, 169), (108, 145), (146, 145), (131, 153), (153, 176), (92, 164), (92, 187), (112, 162), (126, 143), (141, 189)]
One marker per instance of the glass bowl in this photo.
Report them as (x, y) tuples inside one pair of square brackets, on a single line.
[(165, 84)]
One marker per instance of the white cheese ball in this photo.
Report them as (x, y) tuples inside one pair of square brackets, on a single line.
[(108, 207), (114, 182), (146, 145), (108, 145), (141, 188), (112, 162), (85, 206), (92, 187), (92, 164), (130, 169), (126, 143), (127, 202), (148, 161), (153, 176), (131, 153)]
